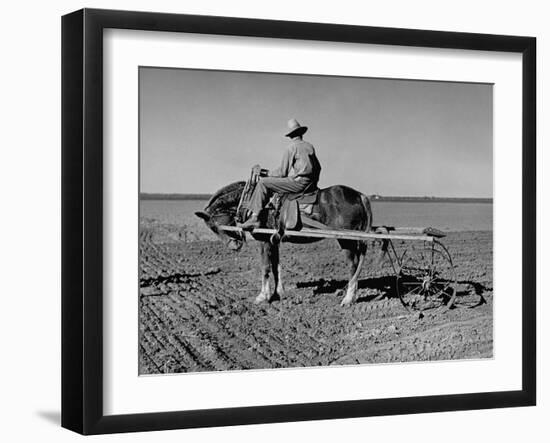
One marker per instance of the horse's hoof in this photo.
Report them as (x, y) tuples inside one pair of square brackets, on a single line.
[(261, 298), (347, 302)]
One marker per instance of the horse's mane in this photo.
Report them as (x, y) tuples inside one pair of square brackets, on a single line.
[(225, 199)]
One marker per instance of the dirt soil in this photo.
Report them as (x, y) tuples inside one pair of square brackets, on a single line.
[(197, 310)]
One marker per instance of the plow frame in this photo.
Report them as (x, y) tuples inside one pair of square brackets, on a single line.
[(421, 270)]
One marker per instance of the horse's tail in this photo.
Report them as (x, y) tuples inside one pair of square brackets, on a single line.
[(368, 211), (385, 243), (367, 226)]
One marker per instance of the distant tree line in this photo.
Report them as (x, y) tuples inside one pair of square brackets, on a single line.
[(376, 197), (427, 199)]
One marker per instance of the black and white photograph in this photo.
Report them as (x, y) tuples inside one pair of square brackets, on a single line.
[(295, 220), (271, 222)]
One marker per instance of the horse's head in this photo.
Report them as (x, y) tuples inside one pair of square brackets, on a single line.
[(233, 240), (221, 210)]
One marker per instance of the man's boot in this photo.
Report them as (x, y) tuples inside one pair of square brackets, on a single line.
[(251, 224)]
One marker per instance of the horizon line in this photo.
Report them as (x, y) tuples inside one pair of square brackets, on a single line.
[(207, 195)]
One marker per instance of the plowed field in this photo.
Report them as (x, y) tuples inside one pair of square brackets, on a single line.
[(197, 310)]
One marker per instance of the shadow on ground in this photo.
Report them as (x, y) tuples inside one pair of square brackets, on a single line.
[(378, 285), (385, 287)]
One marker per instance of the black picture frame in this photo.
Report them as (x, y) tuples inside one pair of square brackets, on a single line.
[(82, 218)]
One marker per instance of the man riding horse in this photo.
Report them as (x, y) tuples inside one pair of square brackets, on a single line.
[(336, 207), (299, 173)]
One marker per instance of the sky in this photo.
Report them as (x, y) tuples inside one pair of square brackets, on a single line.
[(203, 129)]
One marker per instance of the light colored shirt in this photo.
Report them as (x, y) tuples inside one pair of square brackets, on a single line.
[(299, 162)]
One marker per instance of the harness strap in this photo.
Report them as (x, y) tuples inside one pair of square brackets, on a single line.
[(314, 223)]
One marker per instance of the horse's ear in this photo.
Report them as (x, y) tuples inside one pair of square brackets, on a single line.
[(203, 215)]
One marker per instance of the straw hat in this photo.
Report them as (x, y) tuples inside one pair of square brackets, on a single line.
[(295, 129)]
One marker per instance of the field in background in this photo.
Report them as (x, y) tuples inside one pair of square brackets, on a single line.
[(451, 217)]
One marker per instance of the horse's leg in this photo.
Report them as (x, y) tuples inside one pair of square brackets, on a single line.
[(280, 285), (265, 253), (276, 269), (355, 255), (351, 287)]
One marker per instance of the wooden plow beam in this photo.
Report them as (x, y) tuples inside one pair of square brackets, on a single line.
[(416, 234)]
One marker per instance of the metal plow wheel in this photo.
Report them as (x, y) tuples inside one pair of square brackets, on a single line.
[(426, 278)]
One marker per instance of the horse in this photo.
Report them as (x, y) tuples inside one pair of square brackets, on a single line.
[(338, 207)]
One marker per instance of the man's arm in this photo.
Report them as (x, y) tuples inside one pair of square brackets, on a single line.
[(286, 164)]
